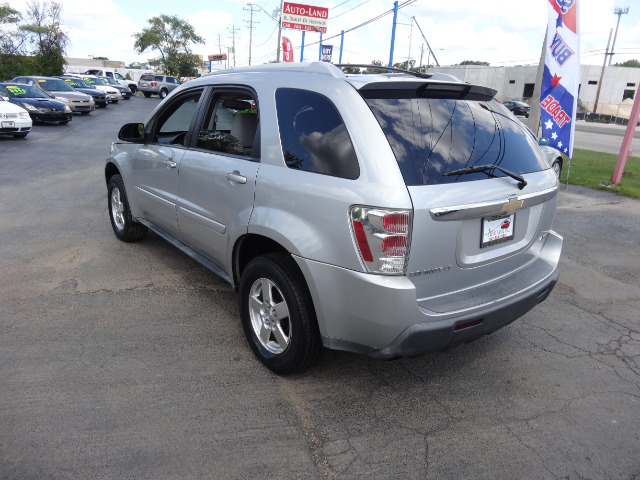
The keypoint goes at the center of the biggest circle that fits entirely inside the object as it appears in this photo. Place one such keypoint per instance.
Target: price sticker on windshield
(16, 90)
(497, 229)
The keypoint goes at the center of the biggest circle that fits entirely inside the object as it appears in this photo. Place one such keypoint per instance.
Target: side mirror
(543, 141)
(132, 132)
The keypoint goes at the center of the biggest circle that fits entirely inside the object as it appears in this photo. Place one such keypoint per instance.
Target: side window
(313, 136)
(174, 121)
(231, 125)
(159, 78)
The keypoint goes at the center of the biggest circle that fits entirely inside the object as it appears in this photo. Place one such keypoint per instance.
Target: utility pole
(619, 12)
(595, 105)
(534, 113)
(233, 48)
(251, 22)
(279, 32)
(410, 35)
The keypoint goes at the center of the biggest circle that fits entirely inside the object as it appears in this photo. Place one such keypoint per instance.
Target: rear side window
(159, 78)
(314, 138)
(431, 137)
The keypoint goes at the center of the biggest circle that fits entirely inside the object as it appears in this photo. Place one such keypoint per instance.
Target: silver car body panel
(450, 278)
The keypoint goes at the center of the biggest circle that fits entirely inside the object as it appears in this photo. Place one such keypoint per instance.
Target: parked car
(113, 94)
(124, 91)
(99, 98)
(553, 156)
(391, 215)
(161, 85)
(41, 106)
(14, 120)
(112, 73)
(77, 101)
(518, 108)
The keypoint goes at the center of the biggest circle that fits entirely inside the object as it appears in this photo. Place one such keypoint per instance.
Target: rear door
(475, 228)
(218, 175)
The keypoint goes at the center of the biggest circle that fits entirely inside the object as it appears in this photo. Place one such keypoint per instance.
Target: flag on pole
(559, 92)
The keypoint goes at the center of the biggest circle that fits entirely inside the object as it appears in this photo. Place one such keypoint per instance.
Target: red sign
(287, 50)
(305, 17)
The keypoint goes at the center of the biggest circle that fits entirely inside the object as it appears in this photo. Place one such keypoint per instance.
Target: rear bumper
(381, 316)
(445, 334)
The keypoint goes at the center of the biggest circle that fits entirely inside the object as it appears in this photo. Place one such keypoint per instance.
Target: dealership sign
(304, 17)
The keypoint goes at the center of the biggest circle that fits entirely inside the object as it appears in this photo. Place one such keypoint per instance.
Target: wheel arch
(110, 170)
(249, 247)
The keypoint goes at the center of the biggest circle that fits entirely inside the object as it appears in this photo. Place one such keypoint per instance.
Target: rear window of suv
(431, 137)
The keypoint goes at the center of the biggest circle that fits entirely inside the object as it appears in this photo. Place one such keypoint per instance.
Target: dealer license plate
(497, 229)
(8, 124)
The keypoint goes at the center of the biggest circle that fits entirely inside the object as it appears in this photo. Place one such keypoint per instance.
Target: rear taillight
(382, 238)
(138, 82)
(153, 84)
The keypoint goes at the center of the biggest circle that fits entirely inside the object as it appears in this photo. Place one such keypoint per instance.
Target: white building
(517, 83)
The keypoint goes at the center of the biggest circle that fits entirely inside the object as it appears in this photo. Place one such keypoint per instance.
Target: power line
(382, 15)
(347, 11)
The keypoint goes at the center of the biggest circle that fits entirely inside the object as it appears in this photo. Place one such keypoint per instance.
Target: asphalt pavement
(128, 361)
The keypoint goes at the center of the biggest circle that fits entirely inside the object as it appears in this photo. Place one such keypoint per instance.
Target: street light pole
(619, 12)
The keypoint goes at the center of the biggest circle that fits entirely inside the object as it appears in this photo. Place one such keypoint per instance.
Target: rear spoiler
(429, 89)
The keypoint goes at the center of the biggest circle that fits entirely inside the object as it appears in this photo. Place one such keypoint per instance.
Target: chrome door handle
(236, 177)
(170, 163)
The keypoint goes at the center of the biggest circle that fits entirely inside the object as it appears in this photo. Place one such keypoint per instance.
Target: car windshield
(109, 81)
(94, 81)
(25, 91)
(54, 85)
(77, 82)
(431, 137)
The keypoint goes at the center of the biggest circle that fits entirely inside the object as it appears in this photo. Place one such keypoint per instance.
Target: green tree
(474, 62)
(629, 63)
(172, 38)
(45, 34)
(375, 70)
(12, 37)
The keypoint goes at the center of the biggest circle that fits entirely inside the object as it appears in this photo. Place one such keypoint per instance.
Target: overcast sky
(500, 32)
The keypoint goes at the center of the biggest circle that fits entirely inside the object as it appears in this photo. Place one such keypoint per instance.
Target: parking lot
(129, 361)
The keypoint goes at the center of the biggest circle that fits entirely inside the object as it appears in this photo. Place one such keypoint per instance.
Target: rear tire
(125, 228)
(147, 94)
(133, 89)
(163, 93)
(277, 314)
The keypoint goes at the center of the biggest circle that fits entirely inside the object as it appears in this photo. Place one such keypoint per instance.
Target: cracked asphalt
(128, 361)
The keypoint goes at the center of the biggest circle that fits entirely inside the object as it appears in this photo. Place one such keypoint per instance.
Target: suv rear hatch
(477, 232)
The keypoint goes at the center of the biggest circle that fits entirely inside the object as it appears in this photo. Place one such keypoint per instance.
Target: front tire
(163, 93)
(557, 167)
(125, 228)
(277, 314)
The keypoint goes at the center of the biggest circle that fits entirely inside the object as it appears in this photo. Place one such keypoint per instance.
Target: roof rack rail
(322, 68)
(383, 69)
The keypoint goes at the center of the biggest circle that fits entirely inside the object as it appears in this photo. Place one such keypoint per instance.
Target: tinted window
(231, 125)
(431, 137)
(146, 77)
(314, 138)
(159, 78)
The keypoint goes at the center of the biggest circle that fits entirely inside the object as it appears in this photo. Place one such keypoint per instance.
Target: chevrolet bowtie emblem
(512, 205)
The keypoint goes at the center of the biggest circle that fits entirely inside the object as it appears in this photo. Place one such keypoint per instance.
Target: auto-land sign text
(304, 17)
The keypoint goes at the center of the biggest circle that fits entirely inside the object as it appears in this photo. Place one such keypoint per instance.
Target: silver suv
(390, 214)
(161, 85)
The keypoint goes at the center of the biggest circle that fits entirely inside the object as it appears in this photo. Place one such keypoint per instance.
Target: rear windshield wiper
(483, 168)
